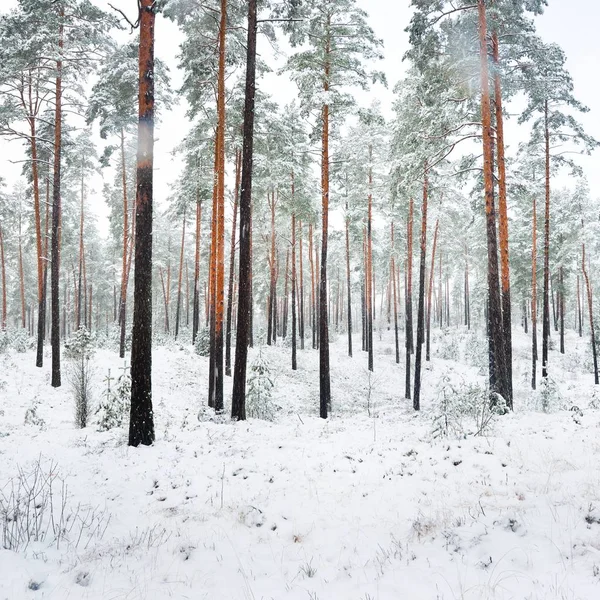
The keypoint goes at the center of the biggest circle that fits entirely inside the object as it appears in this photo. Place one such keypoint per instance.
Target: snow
(364, 506)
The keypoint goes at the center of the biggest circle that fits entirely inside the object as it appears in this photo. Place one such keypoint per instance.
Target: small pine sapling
(259, 403)
(115, 402)
(78, 350)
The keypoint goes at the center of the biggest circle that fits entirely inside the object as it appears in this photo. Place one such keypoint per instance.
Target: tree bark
(238, 169)
(141, 423)
(124, 274)
(408, 299)
(497, 366)
(369, 270)
(534, 354)
(421, 306)
(301, 320)
(294, 358)
(546, 302)
(56, 213)
(196, 299)
(180, 277)
(3, 265)
(238, 399)
(395, 298)
(579, 319)
(429, 292)
(561, 308)
(503, 222)
(591, 312)
(348, 282)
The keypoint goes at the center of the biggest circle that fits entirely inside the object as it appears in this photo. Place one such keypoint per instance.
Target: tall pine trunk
(39, 360)
(301, 290)
(421, 300)
(546, 299)
(238, 399)
(590, 311)
(238, 169)
(429, 292)
(497, 357)
(408, 299)
(141, 423)
(3, 268)
(56, 216)
(196, 298)
(503, 221)
(294, 358)
(124, 274)
(180, 277)
(348, 282)
(394, 296)
(534, 351)
(369, 266)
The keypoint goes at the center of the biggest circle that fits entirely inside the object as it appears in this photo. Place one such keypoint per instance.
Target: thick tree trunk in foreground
(503, 222)
(141, 423)
(497, 356)
(56, 216)
(238, 398)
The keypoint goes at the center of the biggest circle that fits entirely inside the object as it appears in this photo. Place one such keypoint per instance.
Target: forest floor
(371, 504)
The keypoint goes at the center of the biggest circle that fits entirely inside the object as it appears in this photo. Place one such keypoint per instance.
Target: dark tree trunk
(591, 312)
(546, 299)
(56, 216)
(3, 267)
(421, 308)
(579, 319)
(395, 297)
(369, 268)
(348, 282)
(238, 398)
(429, 293)
(141, 423)
(534, 352)
(409, 324)
(294, 360)
(180, 279)
(301, 290)
(561, 308)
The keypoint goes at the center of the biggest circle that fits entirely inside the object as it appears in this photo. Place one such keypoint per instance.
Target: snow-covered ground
(368, 505)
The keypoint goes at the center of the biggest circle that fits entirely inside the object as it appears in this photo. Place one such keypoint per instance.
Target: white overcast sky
(570, 23)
